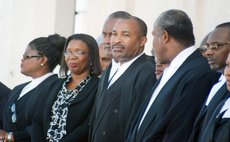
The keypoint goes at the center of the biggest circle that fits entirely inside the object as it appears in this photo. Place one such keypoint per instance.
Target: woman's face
(159, 68)
(77, 57)
(31, 63)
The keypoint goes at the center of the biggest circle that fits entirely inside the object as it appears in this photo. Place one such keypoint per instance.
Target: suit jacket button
(104, 133)
(115, 111)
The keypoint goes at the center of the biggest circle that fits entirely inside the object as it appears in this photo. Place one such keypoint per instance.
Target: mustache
(117, 46)
(107, 46)
(211, 59)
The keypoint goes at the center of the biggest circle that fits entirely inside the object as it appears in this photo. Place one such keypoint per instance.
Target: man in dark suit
(4, 95)
(169, 111)
(216, 51)
(218, 128)
(119, 98)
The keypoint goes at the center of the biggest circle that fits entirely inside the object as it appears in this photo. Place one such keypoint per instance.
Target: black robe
(115, 106)
(79, 112)
(172, 114)
(25, 108)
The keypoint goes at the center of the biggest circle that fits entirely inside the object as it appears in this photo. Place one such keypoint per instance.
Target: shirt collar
(40, 79)
(181, 57)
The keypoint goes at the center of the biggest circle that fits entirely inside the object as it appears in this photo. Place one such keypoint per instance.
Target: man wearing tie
(120, 96)
(218, 128)
(216, 51)
(169, 111)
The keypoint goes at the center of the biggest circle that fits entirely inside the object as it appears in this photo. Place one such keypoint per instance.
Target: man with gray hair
(169, 111)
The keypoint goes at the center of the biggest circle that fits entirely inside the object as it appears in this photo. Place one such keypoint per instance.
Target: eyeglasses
(25, 56)
(75, 54)
(13, 110)
(212, 46)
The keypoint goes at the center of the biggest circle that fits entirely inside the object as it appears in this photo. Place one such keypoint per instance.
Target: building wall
(23, 20)
(205, 14)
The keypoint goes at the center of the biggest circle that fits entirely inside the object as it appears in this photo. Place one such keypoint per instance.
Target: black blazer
(115, 106)
(25, 108)
(77, 118)
(4, 95)
(206, 113)
(218, 128)
(172, 114)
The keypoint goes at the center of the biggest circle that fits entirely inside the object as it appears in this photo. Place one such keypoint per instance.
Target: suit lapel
(13, 99)
(219, 96)
(102, 87)
(151, 116)
(15, 93)
(164, 99)
(49, 103)
(107, 97)
(114, 91)
(84, 92)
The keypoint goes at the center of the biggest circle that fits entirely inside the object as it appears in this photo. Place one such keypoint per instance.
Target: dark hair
(141, 24)
(119, 14)
(51, 47)
(178, 25)
(226, 24)
(94, 60)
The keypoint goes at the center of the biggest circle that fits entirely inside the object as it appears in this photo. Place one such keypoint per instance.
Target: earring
(42, 65)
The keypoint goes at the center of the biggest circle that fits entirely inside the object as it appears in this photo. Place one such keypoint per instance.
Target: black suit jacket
(206, 113)
(115, 106)
(25, 108)
(4, 95)
(172, 114)
(78, 114)
(218, 128)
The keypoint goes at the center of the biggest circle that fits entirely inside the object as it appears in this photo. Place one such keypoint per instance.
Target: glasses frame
(25, 56)
(213, 46)
(75, 54)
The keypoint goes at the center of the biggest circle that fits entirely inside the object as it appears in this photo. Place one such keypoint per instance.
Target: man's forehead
(109, 24)
(125, 24)
(219, 35)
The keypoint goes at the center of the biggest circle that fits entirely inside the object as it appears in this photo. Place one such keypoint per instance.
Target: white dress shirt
(215, 88)
(114, 68)
(226, 108)
(167, 74)
(34, 83)
(121, 69)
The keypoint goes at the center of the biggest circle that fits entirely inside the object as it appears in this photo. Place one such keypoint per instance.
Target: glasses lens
(214, 46)
(203, 48)
(67, 54)
(75, 54)
(25, 56)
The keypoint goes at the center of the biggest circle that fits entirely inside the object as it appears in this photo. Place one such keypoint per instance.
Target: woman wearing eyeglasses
(65, 115)
(39, 60)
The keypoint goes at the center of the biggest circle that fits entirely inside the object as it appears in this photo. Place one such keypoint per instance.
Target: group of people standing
(127, 102)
